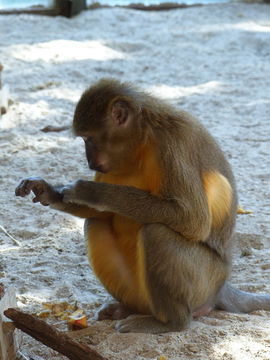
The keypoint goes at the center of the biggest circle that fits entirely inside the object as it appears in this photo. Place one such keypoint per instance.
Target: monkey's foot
(113, 311)
(145, 324)
(202, 311)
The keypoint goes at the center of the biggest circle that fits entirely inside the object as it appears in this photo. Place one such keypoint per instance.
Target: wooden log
(51, 337)
(8, 340)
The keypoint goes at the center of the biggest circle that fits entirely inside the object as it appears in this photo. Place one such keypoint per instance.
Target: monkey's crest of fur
(92, 109)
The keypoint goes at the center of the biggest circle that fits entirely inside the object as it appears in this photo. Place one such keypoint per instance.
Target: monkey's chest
(125, 232)
(112, 244)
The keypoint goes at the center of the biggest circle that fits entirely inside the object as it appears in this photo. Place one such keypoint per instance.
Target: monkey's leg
(113, 270)
(181, 276)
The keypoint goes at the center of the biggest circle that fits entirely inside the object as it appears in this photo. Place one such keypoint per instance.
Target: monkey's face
(108, 152)
(96, 156)
(112, 146)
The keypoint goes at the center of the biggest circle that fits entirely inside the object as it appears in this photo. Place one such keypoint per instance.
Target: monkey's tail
(233, 300)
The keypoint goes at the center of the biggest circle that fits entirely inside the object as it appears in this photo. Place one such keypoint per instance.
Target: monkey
(159, 214)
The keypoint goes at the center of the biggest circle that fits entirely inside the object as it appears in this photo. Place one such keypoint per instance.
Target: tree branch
(51, 337)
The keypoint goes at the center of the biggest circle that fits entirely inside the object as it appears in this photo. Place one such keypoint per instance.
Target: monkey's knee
(167, 289)
(159, 236)
(157, 229)
(182, 275)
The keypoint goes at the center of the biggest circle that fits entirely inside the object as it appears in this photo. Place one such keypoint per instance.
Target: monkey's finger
(37, 190)
(44, 203)
(29, 184)
(23, 188)
(17, 191)
(36, 199)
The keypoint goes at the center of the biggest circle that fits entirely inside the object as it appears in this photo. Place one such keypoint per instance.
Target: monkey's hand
(44, 193)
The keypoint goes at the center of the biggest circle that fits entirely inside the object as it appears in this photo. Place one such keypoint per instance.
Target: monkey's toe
(142, 324)
(113, 311)
(131, 324)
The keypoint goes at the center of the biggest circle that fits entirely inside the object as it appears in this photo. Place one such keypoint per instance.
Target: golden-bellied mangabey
(160, 213)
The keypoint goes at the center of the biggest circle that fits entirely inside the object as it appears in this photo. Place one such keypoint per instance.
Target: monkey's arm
(142, 206)
(47, 195)
(82, 211)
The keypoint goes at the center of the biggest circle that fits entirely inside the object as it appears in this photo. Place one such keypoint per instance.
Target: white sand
(213, 61)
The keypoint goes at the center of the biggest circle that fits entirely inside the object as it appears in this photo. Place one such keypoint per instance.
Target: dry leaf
(44, 314)
(242, 211)
(60, 311)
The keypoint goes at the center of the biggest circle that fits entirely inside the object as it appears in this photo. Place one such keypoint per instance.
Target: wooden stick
(10, 236)
(51, 337)
(51, 128)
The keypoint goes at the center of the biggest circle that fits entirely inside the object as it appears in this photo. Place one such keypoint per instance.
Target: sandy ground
(213, 61)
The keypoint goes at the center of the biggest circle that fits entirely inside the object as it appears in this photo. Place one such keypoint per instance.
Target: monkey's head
(107, 117)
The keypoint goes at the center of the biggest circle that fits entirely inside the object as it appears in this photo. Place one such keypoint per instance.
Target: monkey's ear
(119, 112)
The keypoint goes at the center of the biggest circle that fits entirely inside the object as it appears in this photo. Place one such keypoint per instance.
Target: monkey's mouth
(98, 168)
